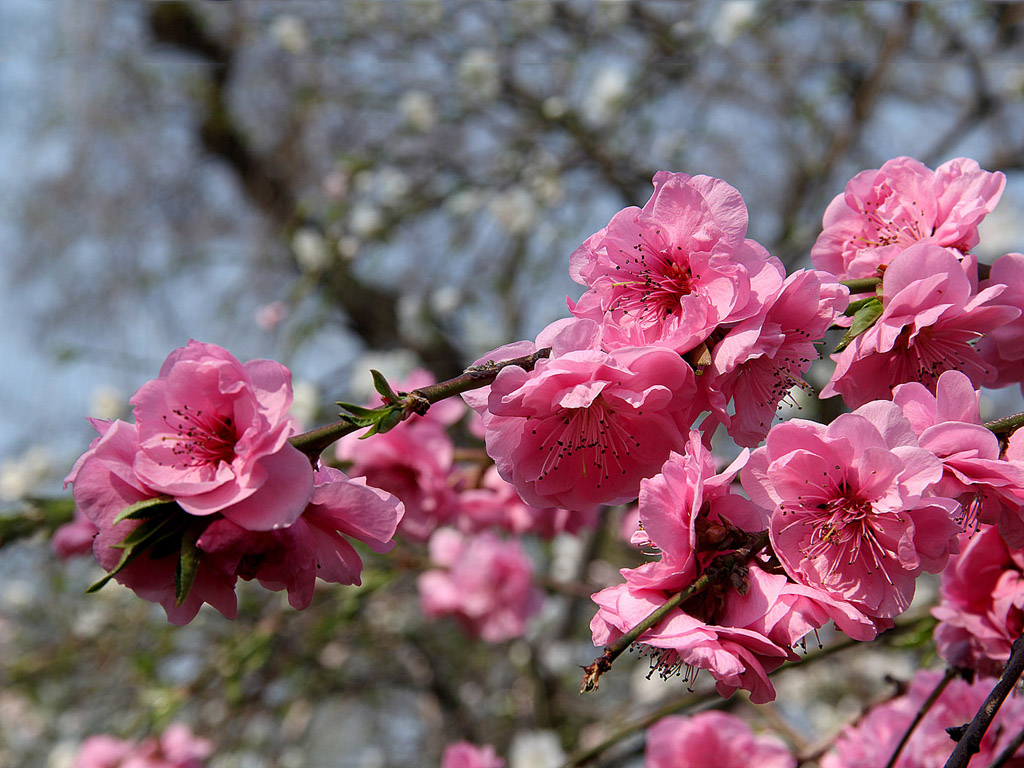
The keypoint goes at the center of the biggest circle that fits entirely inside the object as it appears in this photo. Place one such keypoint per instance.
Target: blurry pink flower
(486, 584)
(585, 427)
(462, 754)
(670, 272)
(269, 316)
(871, 742)
(413, 461)
(712, 739)
(762, 358)
(929, 322)
(948, 424)
(1001, 347)
(315, 545)
(75, 537)
(981, 608)
(177, 747)
(213, 433)
(851, 514)
(494, 503)
(888, 209)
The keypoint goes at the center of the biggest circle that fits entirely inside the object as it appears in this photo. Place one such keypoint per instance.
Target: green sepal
(863, 319)
(383, 388)
(147, 534)
(144, 510)
(188, 562)
(388, 420)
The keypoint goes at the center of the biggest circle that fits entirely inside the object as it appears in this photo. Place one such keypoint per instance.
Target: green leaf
(358, 415)
(382, 386)
(145, 509)
(863, 319)
(145, 536)
(188, 563)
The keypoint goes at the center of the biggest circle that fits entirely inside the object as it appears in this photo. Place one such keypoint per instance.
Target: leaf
(358, 415)
(382, 386)
(145, 536)
(863, 319)
(386, 420)
(145, 509)
(188, 563)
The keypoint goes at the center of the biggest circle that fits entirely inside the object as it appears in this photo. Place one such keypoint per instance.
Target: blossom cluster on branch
(686, 328)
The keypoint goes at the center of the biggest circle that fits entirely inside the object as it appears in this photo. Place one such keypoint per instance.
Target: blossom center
(658, 281)
(200, 438)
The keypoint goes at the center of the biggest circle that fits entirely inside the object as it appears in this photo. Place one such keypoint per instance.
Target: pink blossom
(886, 210)
(315, 545)
(584, 427)
(871, 742)
(494, 503)
(213, 433)
(929, 321)
(413, 461)
(75, 537)
(762, 358)
(712, 738)
(735, 657)
(484, 582)
(850, 510)
(670, 272)
(949, 425)
(462, 754)
(1001, 347)
(177, 747)
(981, 609)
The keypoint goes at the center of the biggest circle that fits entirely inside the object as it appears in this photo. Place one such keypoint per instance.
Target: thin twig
(925, 708)
(970, 741)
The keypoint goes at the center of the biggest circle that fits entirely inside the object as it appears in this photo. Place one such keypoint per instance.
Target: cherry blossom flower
(484, 582)
(929, 320)
(762, 358)
(712, 738)
(850, 510)
(981, 607)
(462, 754)
(670, 272)
(176, 747)
(314, 546)
(886, 210)
(1001, 347)
(213, 434)
(871, 742)
(584, 427)
(948, 424)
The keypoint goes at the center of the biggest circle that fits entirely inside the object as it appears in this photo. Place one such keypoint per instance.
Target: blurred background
(398, 184)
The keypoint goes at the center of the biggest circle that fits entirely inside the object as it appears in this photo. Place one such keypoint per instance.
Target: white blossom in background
(479, 78)
(418, 110)
(554, 107)
(290, 32)
(365, 219)
(464, 202)
(22, 475)
(535, 749)
(611, 13)
(392, 185)
(445, 300)
(305, 403)
(514, 209)
(531, 14)
(312, 251)
(348, 247)
(607, 96)
(107, 402)
(734, 16)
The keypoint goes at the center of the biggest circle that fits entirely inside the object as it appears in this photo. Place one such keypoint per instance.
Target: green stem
(313, 443)
(721, 566)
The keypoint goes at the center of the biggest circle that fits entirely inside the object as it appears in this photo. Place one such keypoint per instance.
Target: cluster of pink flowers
(712, 738)
(207, 479)
(462, 754)
(176, 747)
(873, 740)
